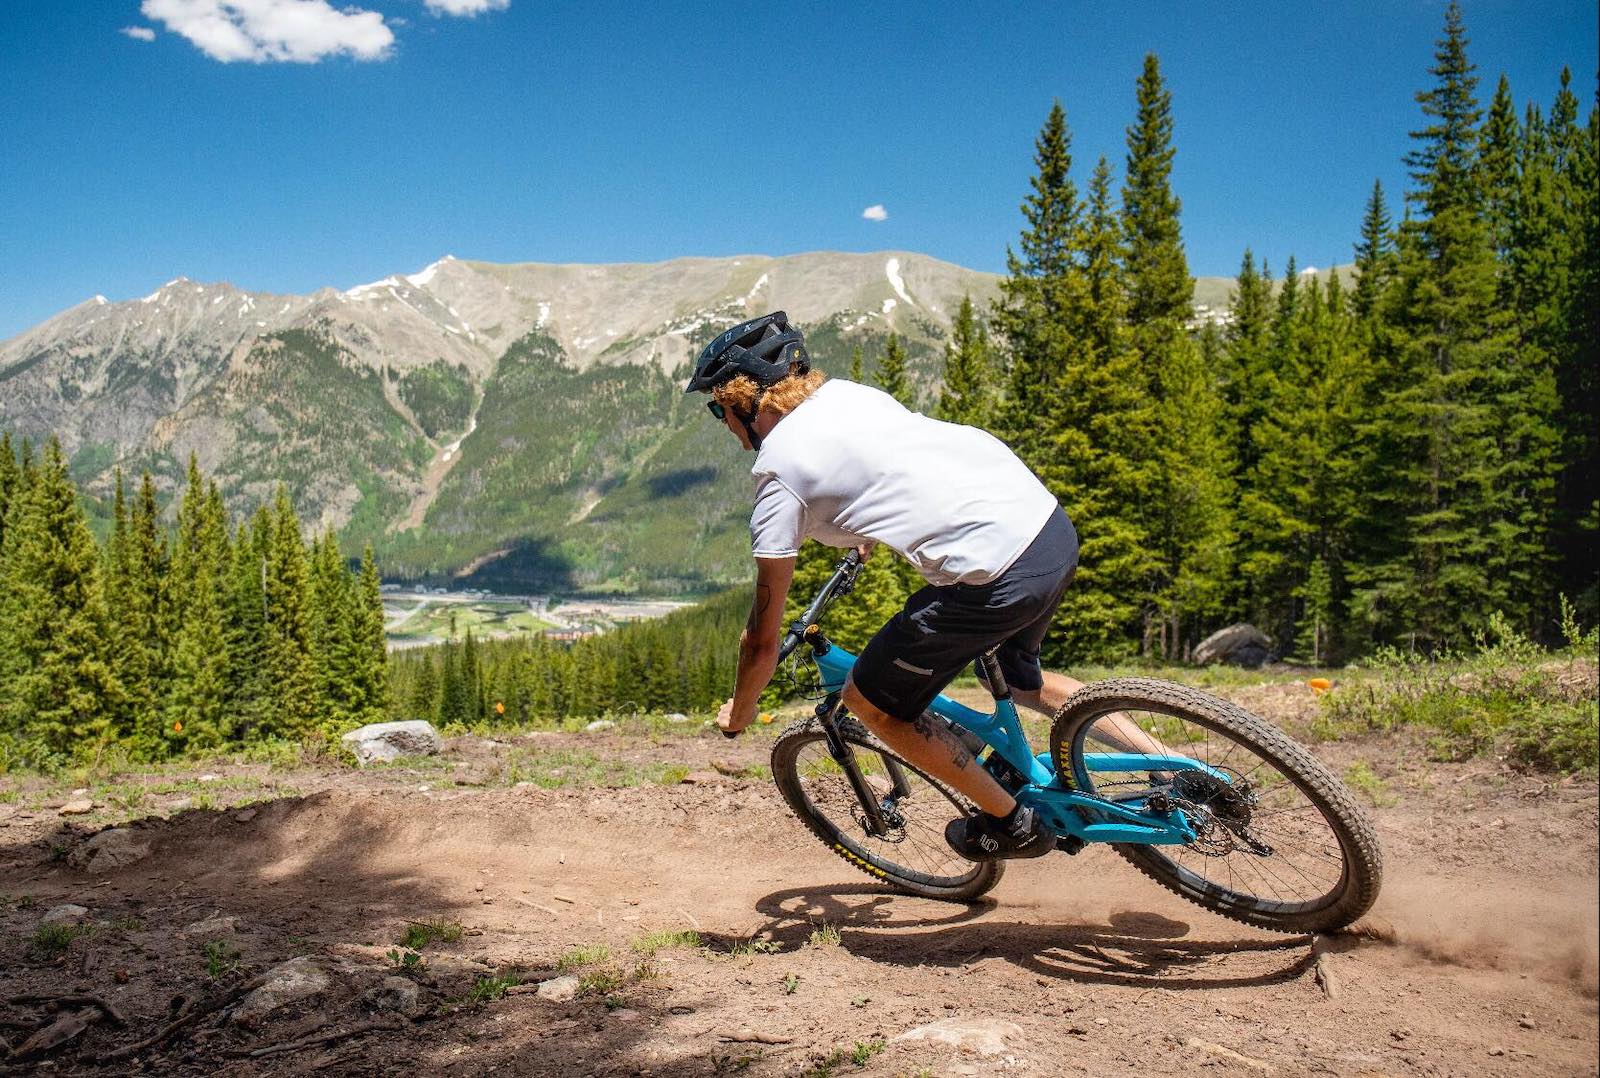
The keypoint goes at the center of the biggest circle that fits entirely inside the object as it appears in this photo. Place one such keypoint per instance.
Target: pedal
(1070, 844)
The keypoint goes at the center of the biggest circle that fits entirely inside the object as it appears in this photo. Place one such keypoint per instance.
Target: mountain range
(518, 426)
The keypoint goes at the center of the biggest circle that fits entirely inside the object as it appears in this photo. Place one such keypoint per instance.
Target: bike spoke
(1306, 864)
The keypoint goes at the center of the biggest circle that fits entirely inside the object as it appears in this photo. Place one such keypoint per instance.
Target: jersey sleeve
(778, 522)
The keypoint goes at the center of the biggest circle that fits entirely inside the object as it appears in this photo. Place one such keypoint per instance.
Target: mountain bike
(1198, 794)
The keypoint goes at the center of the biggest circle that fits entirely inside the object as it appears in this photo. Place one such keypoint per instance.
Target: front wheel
(1280, 842)
(912, 855)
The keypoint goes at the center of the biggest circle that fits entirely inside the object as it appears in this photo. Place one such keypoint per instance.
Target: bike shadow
(1133, 949)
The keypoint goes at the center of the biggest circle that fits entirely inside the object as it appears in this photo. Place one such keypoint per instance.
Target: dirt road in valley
(1480, 959)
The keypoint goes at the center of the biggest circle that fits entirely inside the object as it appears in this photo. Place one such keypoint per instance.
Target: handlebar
(838, 585)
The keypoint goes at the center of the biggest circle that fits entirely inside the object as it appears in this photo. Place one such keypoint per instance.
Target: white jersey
(851, 464)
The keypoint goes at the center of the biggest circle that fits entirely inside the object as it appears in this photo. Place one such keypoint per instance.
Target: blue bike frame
(1061, 807)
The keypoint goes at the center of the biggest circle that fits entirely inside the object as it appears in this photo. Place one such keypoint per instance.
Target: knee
(861, 707)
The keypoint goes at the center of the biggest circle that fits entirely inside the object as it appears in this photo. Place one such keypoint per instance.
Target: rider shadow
(1135, 949)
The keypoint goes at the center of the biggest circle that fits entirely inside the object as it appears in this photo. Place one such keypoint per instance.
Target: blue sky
(283, 145)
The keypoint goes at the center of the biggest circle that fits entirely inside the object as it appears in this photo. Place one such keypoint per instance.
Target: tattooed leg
(933, 748)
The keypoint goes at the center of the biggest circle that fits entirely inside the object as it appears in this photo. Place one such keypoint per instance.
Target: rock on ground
(600, 724)
(1238, 645)
(297, 979)
(77, 807)
(66, 914)
(111, 848)
(559, 989)
(985, 1036)
(394, 994)
(213, 926)
(384, 741)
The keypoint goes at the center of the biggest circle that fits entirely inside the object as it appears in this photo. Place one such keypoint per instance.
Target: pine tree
(1297, 497)
(1040, 286)
(1189, 503)
(193, 712)
(1247, 359)
(292, 668)
(249, 696)
(59, 694)
(855, 366)
(891, 376)
(1557, 266)
(1098, 455)
(10, 478)
(371, 638)
(1454, 396)
(1160, 290)
(967, 394)
(1374, 254)
(423, 699)
(1497, 171)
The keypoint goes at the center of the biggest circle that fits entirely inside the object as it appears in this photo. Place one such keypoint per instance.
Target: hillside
(510, 424)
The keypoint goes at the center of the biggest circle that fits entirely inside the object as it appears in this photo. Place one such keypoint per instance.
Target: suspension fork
(828, 712)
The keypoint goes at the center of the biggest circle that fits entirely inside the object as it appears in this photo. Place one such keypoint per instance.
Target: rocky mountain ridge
(366, 400)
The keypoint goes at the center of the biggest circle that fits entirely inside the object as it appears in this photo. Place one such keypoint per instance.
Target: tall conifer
(967, 393)
(58, 689)
(1191, 529)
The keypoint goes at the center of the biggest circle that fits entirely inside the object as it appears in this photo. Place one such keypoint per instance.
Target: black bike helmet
(764, 348)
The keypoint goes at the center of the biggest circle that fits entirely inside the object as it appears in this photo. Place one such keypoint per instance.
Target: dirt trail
(1481, 958)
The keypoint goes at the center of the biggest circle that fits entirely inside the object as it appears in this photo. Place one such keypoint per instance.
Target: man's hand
(728, 723)
(864, 550)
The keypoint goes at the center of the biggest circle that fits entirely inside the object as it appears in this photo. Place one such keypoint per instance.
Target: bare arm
(758, 644)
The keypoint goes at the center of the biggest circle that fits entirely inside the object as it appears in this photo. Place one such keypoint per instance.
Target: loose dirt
(1480, 958)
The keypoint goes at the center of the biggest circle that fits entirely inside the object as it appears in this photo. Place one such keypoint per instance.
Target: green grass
(1508, 697)
(419, 934)
(601, 982)
(579, 957)
(562, 768)
(1360, 777)
(667, 939)
(53, 940)
(856, 1056)
(222, 958)
(752, 946)
(825, 935)
(489, 989)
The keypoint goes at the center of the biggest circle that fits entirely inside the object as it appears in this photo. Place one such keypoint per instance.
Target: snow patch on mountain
(365, 291)
(891, 270)
(423, 276)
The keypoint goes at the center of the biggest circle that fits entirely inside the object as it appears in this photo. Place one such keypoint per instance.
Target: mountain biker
(849, 465)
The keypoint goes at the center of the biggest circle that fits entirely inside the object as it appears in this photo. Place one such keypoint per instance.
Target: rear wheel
(913, 854)
(1280, 842)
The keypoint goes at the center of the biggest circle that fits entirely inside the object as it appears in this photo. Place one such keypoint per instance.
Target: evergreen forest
(682, 662)
(1348, 465)
(206, 635)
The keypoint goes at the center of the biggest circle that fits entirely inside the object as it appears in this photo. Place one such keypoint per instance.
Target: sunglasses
(716, 409)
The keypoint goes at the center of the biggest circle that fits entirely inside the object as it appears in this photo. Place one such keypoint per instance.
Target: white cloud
(1308, 271)
(263, 31)
(875, 213)
(465, 7)
(139, 33)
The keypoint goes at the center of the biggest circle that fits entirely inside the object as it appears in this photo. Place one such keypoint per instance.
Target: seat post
(989, 669)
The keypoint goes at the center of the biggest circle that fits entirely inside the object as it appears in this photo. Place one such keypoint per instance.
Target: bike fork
(827, 713)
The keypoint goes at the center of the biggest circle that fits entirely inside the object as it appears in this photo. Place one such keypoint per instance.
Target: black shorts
(942, 629)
